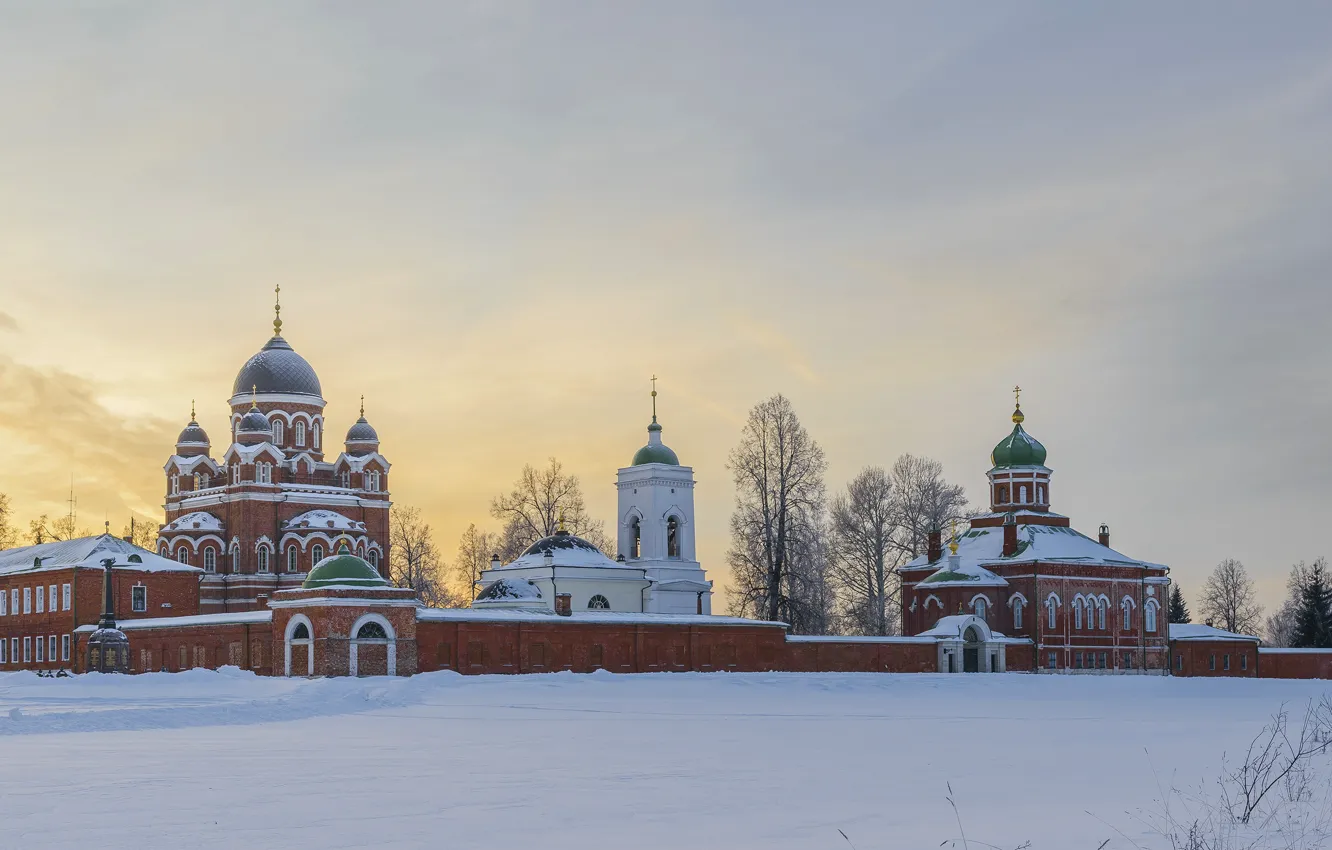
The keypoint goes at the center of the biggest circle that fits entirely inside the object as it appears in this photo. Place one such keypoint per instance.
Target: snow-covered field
(224, 759)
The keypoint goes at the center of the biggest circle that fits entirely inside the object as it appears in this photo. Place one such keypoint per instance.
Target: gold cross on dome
(277, 310)
(1017, 396)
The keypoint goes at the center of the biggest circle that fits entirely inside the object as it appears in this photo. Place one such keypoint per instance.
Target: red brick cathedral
(258, 518)
(1023, 570)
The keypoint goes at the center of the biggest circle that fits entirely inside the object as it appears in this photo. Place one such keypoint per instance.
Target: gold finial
(1017, 406)
(277, 310)
(362, 405)
(561, 522)
(654, 399)
(192, 417)
(952, 542)
(108, 526)
(254, 396)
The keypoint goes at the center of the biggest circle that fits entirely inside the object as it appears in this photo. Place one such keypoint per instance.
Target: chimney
(1010, 537)
(1105, 535)
(495, 561)
(935, 551)
(564, 604)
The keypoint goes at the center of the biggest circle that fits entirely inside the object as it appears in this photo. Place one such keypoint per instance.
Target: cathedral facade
(275, 502)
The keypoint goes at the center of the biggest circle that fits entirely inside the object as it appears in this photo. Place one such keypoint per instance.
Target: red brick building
(50, 590)
(1025, 571)
(273, 505)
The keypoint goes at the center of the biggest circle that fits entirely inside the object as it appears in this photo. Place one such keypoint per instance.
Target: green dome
(343, 568)
(1018, 448)
(655, 451)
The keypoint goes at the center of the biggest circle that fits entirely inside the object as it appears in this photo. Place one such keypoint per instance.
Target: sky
(498, 220)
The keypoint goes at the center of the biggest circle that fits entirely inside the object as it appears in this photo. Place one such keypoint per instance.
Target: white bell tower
(655, 526)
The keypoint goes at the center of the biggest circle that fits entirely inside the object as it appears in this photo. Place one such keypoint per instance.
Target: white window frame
(27, 600)
(39, 651)
(1149, 616)
(1077, 613)
(4, 651)
(235, 473)
(51, 645)
(314, 435)
(210, 559)
(65, 596)
(293, 556)
(261, 555)
(1017, 615)
(13, 650)
(299, 427)
(235, 557)
(372, 557)
(4, 603)
(1052, 615)
(64, 647)
(183, 555)
(1022, 494)
(41, 600)
(175, 485)
(1127, 610)
(53, 598)
(316, 554)
(14, 601)
(135, 597)
(277, 431)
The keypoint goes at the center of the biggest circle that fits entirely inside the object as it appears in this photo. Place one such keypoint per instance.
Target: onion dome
(277, 368)
(1019, 448)
(362, 432)
(655, 451)
(343, 569)
(193, 437)
(254, 422)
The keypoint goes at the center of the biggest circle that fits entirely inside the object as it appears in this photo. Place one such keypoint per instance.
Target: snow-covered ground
(224, 759)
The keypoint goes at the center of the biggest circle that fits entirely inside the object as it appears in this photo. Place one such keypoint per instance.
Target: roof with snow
(509, 589)
(196, 521)
(955, 573)
(1197, 631)
(546, 615)
(86, 552)
(1052, 544)
(323, 519)
(566, 550)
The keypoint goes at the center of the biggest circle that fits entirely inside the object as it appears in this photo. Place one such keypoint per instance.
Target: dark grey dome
(254, 422)
(277, 369)
(362, 432)
(558, 541)
(192, 434)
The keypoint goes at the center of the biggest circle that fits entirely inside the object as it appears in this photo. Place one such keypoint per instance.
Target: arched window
(183, 555)
(636, 546)
(277, 431)
(1017, 614)
(1077, 613)
(235, 558)
(1127, 608)
(300, 433)
(301, 632)
(164, 551)
(1022, 494)
(175, 485)
(262, 562)
(598, 602)
(291, 558)
(978, 605)
(371, 631)
(235, 474)
(672, 538)
(1040, 494)
(315, 431)
(1149, 615)
(373, 557)
(210, 559)
(346, 479)
(316, 553)
(1100, 614)
(1050, 606)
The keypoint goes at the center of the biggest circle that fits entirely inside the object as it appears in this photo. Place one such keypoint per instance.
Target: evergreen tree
(1177, 612)
(1313, 613)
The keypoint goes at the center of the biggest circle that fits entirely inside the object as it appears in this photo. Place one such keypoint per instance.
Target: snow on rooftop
(230, 618)
(958, 573)
(1199, 631)
(546, 615)
(324, 519)
(86, 552)
(1053, 544)
(195, 521)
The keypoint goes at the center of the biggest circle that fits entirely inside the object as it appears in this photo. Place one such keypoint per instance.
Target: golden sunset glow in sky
(497, 221)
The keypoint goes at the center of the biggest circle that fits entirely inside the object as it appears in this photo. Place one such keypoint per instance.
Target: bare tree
(141, 532)
(46, 530)
(534, 508)
(1228, 599)
(863, 554)
(924, 502)
(475, 549)
(777, 554)
(1279, 627)
(414, 560)
(8, 533)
